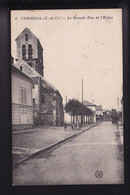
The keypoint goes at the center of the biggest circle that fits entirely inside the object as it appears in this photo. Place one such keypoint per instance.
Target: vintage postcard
(67, 97)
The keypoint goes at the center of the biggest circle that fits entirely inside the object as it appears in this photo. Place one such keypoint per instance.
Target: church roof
(19, 72)
(30, 72)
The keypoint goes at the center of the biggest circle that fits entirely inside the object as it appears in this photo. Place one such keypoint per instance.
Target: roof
(30, 72)
(86, 103)
(19, 72)
(99, 108)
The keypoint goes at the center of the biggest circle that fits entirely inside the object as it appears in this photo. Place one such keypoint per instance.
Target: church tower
(28, 48)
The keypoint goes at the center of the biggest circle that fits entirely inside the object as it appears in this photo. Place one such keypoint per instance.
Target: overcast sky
(78, 48)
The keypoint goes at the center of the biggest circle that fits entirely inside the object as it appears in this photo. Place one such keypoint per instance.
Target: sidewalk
(29, 142)
(121, 133)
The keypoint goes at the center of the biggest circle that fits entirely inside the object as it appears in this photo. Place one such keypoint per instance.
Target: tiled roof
(19, 72)
(30, 72)
(86, 103)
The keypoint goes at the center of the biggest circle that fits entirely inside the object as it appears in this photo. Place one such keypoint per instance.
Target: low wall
(22, 127)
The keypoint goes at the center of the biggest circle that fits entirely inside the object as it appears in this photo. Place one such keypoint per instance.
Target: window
(26, 37)
(30, 51)
(23, 51)
(23, 96)
(33, 100)
(21, 68)
(43, 99)
(54, 103)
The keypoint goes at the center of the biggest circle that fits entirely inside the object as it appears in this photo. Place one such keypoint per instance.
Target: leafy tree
(76, 108)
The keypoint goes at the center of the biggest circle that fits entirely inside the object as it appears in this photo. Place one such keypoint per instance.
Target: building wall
(31, 40)
(36, 62)
(18, 118)
(22, 113)
(93, 108)
(46, 109)
(18, 84)
(67, 118)
(99, 112)
(36, 98)
(49, 111)
(59, 110)
(44, 104)
(40, 60)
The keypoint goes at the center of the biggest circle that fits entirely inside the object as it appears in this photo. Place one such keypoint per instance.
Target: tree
(76, 108)
(72, 107)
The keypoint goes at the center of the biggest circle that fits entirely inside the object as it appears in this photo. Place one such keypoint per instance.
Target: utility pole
(65, 115)
(82, 103)
(82, 91)
(118, 104)
(66, 99)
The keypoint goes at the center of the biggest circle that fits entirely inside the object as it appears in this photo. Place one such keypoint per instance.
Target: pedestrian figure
(72, 127)
(65, 127)
(75, 126)
(79, 126)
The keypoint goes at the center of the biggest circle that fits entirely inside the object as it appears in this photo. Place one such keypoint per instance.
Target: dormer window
(26, 37)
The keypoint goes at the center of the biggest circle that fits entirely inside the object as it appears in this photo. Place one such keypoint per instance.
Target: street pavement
(94, 157)
(28, 142)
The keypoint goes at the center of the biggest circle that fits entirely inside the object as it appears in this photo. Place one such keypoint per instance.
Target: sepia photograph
(67, 97)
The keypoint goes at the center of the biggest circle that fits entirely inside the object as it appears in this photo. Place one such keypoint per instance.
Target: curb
(45, 149)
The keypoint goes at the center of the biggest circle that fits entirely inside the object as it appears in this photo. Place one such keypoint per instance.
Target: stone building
(22, 105)
(47, 101)
(29, 48)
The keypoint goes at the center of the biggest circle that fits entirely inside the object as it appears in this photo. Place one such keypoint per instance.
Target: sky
(78, 44)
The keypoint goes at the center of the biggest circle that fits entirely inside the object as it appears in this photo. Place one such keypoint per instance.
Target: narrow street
(94, 157)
